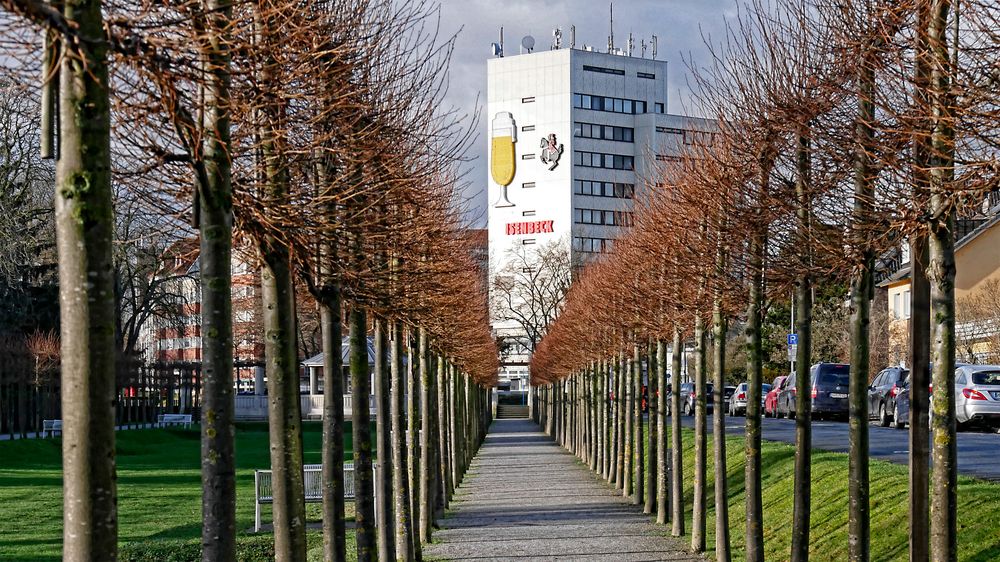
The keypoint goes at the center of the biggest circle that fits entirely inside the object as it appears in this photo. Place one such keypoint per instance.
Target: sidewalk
(525, 498)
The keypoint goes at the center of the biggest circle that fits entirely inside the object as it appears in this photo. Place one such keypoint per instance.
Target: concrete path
(525, 498)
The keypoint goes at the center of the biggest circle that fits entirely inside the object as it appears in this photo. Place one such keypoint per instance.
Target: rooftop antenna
(642, 44)
(631, 44)
(572, 37)
(501, 41)
(611, 38)
(654, 47)
(556, 39)
(528, 43)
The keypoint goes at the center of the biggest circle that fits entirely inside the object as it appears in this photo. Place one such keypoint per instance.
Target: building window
(600, 160)
(528, 184)
(670, 130)
(527, 270)
(659, 107)
(591, 245)
(603, 132)
(602, 70)
(646, 75)
(604, 189)
(530, 99)
(897, 306)
(700, 138)
(528, 156)
(602, 217)
(527, 128)
(528, 241)
(665, 158)
(528, 214)
(608, 104)
(906, 304)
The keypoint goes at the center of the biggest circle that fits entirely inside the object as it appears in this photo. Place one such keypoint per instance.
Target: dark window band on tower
(646, 75)
(602, 70)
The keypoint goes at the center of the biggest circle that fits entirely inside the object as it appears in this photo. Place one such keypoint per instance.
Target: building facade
(574, 134)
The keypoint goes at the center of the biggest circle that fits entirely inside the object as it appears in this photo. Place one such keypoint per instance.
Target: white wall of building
(540, 91)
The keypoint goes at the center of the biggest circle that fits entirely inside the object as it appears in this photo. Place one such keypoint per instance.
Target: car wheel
(883, 416)
(687, 409)
(896, 423)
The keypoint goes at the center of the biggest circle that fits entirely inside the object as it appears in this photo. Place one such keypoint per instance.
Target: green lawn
(978, 505)
(159, 490)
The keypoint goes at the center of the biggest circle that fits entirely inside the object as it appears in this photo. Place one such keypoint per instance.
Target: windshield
(986, 377)
(832, 379)
(765, 388)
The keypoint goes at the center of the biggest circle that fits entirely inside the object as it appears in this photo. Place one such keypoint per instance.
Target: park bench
(174, 419)
(51, 427)
(312, 484)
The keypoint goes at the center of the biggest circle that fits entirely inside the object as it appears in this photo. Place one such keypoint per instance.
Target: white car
(977, 394)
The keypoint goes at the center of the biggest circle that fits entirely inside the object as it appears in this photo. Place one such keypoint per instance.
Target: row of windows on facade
(611, 104)
(603, 132)
(603, 217)
(604, 189)
(592, 245)
(617, 71)
(601, 160)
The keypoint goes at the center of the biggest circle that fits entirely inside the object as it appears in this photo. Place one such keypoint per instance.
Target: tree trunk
(616, 461)
(285, 409)
(412, 428)
(639, 448)
(361, 433)
(754, 501)
(426, 442)
(941, 275)
(651, 449)
(676, 443)
(722, 549)
(84, 222)
(628, 433)
(215, 225)
(381, 389)
(662, 491)
(803, 382)
(920, 334)
(400, 484)
(699, 509)
(334, 532)
(442, 411)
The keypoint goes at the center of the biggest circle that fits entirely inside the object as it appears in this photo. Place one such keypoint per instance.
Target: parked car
(829, 382)
(882, 393)
(901, 409)
(977, 394)
(771, 398)
(727, 396)
(738, 405)
(687, 398)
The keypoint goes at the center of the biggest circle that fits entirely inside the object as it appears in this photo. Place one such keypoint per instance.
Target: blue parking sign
(793, 339)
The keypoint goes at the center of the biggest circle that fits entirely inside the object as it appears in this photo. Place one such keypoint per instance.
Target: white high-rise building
(574, 133)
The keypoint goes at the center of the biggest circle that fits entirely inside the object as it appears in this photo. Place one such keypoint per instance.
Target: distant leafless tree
(529, 290)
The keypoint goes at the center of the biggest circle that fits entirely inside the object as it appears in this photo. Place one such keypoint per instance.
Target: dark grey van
(829, 391)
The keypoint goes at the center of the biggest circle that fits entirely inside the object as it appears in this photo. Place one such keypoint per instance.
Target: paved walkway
(525, 498)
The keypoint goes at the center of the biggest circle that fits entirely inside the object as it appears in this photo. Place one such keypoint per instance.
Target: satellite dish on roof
(528, 42)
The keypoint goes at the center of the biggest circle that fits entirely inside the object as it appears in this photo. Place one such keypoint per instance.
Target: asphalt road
(977, 451)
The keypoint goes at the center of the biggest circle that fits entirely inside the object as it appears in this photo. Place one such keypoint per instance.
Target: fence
(30, 393)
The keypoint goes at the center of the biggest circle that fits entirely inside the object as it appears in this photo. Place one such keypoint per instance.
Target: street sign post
(791, 351)
(793, 339)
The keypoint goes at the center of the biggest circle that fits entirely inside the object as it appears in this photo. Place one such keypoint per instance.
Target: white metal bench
(174, 419)
(312, 485)
(51, 427)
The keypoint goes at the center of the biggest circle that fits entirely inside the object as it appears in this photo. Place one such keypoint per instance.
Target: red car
(771, 400)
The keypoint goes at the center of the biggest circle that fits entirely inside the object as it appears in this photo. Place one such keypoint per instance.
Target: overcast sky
(678, 24)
